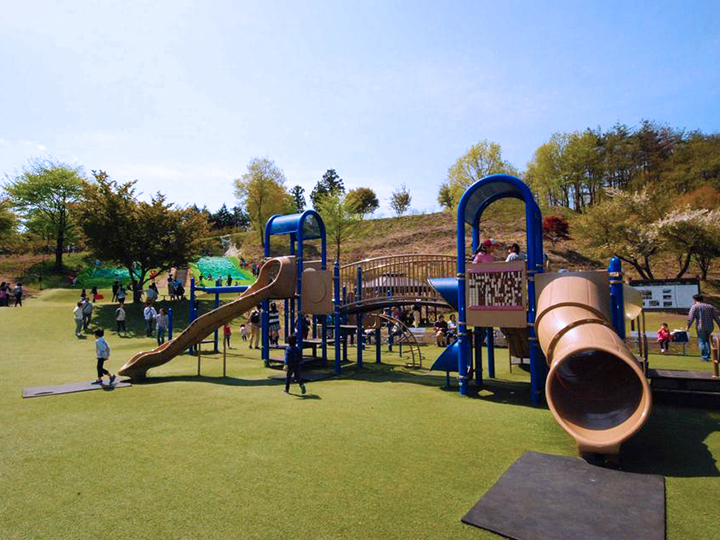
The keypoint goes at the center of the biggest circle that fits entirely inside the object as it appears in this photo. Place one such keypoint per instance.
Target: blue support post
(491, 352)
(378, 340)
(616, 296)
(170, 323)
(286, 319)
(336, 283)
(218, 283)
(478, 340)
(358, 298)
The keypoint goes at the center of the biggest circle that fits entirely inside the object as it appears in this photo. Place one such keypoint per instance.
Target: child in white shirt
(102, 350)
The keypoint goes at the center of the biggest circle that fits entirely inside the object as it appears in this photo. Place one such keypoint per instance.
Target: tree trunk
(59, 246)
(685, 266)
(646, 265)
(635, 265)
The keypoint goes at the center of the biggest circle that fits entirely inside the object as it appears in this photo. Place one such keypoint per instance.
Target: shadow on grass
(672, 443)
(104, 316)
(493, 390)
(224, 381)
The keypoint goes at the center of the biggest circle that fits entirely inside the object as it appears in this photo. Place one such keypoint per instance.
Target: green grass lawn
(382, 452)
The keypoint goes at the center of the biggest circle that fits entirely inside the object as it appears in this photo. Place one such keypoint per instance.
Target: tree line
(641, 193)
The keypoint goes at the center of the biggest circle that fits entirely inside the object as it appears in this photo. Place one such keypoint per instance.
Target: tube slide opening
(594, 390)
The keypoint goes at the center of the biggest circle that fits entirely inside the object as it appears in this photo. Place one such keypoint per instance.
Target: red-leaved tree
(556, 228)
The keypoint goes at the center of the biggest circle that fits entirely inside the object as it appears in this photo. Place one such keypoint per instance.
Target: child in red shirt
(664, 337)
(227, 333)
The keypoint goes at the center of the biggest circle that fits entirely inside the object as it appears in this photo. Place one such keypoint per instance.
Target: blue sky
(182, 94)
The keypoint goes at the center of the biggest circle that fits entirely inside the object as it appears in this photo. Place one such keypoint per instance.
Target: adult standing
(121, 294)
(18, 292)
(115, 288)
(149, 313)
(78, 317)
(171, 287)
(87, 313)
(255, 327)
(161, 322)
(703, 314)
(3, 294)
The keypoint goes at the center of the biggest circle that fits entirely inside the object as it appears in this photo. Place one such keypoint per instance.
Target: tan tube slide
(595, 388)
(275, 280)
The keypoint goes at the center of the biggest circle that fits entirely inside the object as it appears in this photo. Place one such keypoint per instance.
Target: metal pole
(224, 357)
(616, 295)
(218, 283)
(478, 339)
(358, 296)
(378, 339)
(491, 352)
(336, 282)
(170, 323)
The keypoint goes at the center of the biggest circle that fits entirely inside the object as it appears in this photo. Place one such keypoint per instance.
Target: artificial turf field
(382, 452)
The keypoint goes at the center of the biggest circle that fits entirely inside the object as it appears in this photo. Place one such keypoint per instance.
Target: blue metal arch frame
(301, 227)
(476, 199)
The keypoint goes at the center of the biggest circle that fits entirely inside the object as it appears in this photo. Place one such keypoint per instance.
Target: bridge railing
(396, 276)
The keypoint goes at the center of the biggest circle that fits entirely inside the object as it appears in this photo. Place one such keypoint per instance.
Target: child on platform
(664, 337)
(292, 363)
(102, 350)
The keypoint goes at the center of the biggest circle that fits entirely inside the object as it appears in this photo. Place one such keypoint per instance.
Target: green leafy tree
(298, 195)
(139, 235)
(400, 200)
(623, 226)
(46, 195)
(340, 218)
(330, 184)
(9, 223)
(363, 200)
(479, 161)
(261, 191)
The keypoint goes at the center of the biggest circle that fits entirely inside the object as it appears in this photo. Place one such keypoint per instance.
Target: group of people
(445, 331)
(6, 292)
(82, 314)
(484, 252)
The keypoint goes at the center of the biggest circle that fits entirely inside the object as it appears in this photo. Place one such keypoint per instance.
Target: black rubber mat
(556, 498)
(39, 391)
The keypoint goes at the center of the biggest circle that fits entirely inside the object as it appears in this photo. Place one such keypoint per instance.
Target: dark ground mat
(39, 391)
(307, 376)
(557, 498)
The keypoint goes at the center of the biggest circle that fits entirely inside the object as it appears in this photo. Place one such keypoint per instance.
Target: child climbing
(664, 337)
(292, 363)
(102, 350)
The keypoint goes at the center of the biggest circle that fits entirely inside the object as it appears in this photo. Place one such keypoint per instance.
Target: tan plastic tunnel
(275, 280)
(595, 388)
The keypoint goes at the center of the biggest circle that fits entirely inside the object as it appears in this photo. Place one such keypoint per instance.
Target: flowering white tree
(691, 234)
(624, 226)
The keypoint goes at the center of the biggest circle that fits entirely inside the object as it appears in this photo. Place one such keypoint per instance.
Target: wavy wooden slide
(275, 280)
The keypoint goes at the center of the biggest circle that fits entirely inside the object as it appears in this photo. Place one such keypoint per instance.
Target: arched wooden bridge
(394, 281)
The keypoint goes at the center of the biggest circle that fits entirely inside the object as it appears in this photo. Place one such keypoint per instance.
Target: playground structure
(573, 323)
(277, 277)
(595, 387)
